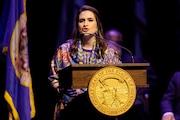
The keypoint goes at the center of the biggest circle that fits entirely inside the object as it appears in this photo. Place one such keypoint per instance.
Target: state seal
(112, 90)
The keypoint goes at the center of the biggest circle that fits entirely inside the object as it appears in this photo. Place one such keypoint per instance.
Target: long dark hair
(102, 46)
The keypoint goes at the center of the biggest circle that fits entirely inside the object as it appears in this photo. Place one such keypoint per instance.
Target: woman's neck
(88, 44)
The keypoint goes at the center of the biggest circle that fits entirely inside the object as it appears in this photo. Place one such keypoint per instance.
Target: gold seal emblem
(112, 91)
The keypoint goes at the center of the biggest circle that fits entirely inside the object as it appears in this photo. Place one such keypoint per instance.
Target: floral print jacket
(63, 58)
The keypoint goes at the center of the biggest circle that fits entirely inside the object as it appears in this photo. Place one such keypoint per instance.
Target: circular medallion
(112, 91)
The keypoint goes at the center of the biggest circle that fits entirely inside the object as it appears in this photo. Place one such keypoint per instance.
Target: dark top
(171, 99)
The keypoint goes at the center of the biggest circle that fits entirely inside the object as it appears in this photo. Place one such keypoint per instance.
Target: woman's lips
(85, 29)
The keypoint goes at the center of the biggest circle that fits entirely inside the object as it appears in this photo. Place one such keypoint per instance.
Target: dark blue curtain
(66, 23)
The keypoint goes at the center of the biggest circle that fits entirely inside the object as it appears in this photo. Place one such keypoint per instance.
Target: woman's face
(87, 23)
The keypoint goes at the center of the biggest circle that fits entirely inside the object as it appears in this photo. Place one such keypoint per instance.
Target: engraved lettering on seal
(112, 91)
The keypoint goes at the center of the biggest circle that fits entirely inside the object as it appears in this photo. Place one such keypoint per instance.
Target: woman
(84, 48)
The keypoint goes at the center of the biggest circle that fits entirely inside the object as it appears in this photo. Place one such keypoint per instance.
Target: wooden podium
(82, 73)
(79, 75)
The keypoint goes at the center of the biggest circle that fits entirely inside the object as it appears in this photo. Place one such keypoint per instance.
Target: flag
(3, 22)
(18, 90)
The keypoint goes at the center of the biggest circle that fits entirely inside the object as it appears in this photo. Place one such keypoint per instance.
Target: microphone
(110, 41)
(85, 36)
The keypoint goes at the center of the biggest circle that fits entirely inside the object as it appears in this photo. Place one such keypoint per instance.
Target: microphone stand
(110, 41)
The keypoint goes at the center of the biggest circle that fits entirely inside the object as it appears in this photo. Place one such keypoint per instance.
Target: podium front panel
(81, 74)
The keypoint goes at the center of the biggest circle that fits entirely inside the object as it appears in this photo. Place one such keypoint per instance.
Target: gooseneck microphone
(122, 47)
(110, 41)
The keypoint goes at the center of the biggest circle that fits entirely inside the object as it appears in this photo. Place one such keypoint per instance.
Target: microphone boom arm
(132, 57)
